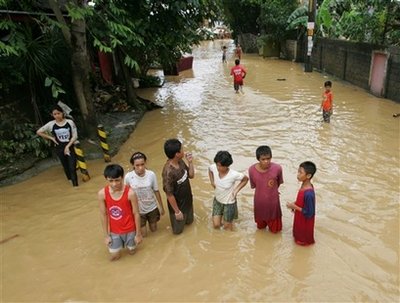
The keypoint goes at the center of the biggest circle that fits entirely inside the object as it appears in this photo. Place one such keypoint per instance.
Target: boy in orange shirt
(327, 102)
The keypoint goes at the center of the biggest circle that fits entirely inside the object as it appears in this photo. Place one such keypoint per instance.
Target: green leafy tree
(372, 21)
(274, 16)
(149, 32)
(242, 16)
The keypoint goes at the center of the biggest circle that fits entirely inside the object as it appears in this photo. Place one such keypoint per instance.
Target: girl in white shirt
(227, 184)
(144, 183)
(62, 132)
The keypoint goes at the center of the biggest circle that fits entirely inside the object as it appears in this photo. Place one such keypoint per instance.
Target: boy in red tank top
(304, 207)
(119, 213)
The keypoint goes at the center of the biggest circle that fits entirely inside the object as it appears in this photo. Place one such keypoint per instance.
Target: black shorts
(151, 217)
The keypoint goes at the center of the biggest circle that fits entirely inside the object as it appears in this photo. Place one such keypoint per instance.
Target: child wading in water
(266, 177)
(304, 207)
(224, 54)
(119, 213)
(327, 102)
(144, 183)
(239, 73)
(227, 184)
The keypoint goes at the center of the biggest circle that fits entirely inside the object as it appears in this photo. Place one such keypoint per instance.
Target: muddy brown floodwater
(59, 254)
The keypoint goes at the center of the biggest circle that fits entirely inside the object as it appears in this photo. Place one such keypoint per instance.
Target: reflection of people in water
(63, 133)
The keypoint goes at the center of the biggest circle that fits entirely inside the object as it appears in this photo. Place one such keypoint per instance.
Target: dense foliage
(18, 137)
(47, 46)
(242, 16)
(371, 21)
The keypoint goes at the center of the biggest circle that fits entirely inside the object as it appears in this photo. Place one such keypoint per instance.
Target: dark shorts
(327, 115)
(236, 84)
(178, 226)
(151, 217)
(228, 211)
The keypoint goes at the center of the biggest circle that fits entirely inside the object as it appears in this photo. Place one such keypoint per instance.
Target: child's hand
(179, 216)
(138, 238)
(107, 240)
(189, 157)
(67, 151)
(54, 140)
(162, 212)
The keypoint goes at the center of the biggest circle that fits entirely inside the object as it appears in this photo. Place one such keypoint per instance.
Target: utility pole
(312, 4)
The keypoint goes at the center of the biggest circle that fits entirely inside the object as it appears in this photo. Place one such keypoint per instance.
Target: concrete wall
(393, 77)
(352, 62)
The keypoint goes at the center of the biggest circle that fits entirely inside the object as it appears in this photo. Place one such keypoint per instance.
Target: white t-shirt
(144, 187)
(224, 187)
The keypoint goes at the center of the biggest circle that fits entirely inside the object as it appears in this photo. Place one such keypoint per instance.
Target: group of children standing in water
(128, 203)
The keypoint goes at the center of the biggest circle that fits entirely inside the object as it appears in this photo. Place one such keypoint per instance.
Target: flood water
(59, 255)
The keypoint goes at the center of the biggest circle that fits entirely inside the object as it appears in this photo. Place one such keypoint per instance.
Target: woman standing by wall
(63, 133)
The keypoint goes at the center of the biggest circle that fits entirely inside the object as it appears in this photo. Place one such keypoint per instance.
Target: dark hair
(113, 171)
(171, 147)
(237, 61)
(309, 168)
(57, 108)
(138, 155)
(328, 83)
(224, 158)
(263, 150)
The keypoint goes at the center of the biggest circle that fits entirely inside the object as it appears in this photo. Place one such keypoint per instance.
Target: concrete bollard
(81, 163)
(103, 143)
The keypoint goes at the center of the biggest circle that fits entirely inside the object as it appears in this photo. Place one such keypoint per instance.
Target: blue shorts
(118, 241)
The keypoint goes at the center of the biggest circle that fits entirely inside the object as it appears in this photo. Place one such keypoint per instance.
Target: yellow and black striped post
(103, 143)
(80, 161)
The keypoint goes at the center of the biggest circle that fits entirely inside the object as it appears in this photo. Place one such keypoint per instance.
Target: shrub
(18, 137)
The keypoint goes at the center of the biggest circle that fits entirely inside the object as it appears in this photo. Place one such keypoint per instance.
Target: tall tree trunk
(130, 93)
(75, 36)
(80, 77)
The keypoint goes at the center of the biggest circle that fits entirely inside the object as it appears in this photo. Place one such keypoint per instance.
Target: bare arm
(74, 136)
(293, 206)
(135, 209)
(42, 132)
(211, 177)
(189, 158)
(172, 201)
(242, 184)
(159, 200)
(104, 217)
